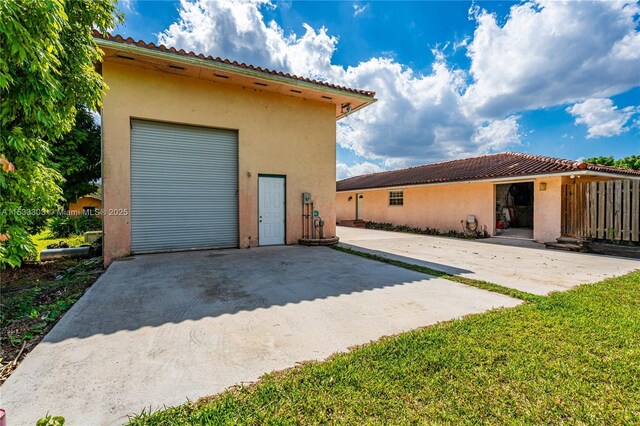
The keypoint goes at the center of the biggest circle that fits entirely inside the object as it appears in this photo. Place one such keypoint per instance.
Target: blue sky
(454, 79)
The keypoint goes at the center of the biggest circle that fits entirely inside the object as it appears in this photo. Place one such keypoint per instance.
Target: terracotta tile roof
(506, 164)
(139, 43)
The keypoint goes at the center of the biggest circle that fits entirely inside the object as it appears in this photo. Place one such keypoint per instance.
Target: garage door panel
(184, 183)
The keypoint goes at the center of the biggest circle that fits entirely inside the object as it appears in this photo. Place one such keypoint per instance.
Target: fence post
(594, 209)
(635, 210)
(626, 210)
(601, 210)
(617, 208)
(586, 211)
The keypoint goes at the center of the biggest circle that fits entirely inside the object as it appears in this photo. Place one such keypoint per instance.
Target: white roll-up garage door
(184, 187)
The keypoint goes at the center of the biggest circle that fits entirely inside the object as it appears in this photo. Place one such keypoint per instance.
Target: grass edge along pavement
(571, 357)
(484, 285)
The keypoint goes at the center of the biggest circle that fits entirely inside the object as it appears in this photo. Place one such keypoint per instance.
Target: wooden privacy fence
(608, 210)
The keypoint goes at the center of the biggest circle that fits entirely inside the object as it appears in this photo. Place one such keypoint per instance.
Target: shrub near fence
(424, 231)
(65, 226)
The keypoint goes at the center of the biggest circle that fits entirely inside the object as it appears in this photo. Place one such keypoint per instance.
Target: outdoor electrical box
(306, 198)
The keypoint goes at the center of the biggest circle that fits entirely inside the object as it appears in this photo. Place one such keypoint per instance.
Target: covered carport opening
(514, 210)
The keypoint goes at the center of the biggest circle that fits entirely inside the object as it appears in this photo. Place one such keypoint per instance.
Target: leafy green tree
(630, 162)
(76, 156)
(47, 68)
(601, 161)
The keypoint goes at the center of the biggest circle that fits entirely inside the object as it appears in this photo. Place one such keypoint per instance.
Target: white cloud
(237, 30)
(128, 6)
(97, 118)
(544, 54)
(417, 118)
(498, 134)
(357, 9)
(552, 53)
(461, 44)
(344, 170)
(602, 117)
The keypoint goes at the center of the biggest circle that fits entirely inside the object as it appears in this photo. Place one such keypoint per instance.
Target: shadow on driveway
(410, 260)
(159, 329)
(151, 290)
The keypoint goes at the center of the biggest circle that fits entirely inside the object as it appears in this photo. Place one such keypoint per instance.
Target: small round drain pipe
(59, 253)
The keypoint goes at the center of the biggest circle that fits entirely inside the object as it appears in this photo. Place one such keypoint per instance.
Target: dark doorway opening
(514, 210)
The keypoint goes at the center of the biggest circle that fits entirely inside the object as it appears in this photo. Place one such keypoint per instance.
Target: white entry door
(359, 206)
(271, 210)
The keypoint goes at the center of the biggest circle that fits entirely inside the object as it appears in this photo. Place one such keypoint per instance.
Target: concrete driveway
(158, 329)
(523, 265)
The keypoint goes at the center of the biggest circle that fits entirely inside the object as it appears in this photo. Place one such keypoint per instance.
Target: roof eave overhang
(359, 107)
(499, 179)
(232, 69)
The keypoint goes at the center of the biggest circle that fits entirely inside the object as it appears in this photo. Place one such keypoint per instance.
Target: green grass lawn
(43, 239)
(572, 357)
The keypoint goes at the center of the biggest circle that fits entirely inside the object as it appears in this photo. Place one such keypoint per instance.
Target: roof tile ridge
(182, 52)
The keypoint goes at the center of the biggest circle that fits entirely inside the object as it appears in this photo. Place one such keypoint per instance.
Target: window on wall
(396, 198)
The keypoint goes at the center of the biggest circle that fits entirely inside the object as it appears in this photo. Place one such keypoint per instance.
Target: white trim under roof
(234, 69)
(510, 179)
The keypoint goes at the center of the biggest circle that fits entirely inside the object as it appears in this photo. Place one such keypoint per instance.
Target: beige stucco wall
(277, 134)
(547, 205)
(436, 206)
(444, 206)
(547, 214)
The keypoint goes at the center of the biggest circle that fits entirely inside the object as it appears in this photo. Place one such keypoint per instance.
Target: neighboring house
(521, 193)
(87, 204)
(200, 152)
